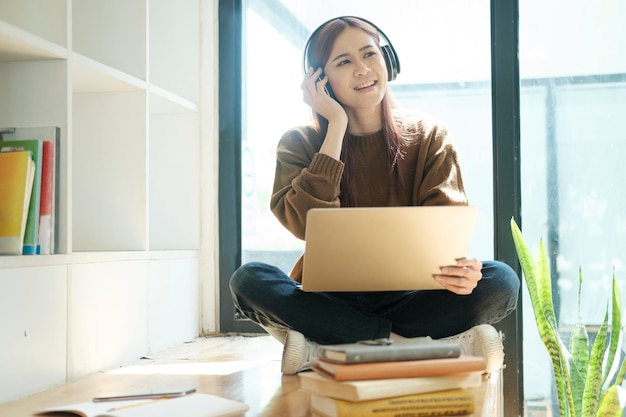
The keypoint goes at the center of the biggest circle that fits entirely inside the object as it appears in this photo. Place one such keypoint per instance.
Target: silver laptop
(383, 248)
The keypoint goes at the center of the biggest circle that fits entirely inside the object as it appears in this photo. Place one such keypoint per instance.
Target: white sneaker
(298, 353)
(484, 341)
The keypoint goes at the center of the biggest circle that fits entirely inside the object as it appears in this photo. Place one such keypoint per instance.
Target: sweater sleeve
(304, 179)
(439, 168)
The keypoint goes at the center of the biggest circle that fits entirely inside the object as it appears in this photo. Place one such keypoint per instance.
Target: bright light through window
(573, 98)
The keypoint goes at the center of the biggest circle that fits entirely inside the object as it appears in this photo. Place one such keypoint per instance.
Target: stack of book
(27, 190)
(411, 378)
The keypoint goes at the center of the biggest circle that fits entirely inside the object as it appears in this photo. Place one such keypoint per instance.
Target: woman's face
(356, 69)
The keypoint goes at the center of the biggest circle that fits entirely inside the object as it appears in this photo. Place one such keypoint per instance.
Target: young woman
(363, 151)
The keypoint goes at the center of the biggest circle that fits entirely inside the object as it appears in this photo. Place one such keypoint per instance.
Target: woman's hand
(314, 94)
(461, 278)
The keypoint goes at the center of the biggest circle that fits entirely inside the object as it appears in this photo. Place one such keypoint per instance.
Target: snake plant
(588, 378)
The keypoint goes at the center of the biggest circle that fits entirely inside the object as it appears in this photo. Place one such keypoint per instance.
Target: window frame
(505, 88)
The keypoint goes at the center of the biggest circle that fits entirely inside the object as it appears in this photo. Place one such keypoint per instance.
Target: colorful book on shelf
(400, 369)
(48, 207)
(31, 234)
(439, 403)
(380, 350)
(373, 389)
(46, 228)
(194, 405)
(17, 173)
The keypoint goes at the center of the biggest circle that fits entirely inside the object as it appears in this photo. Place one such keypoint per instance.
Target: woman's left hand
(461, 278)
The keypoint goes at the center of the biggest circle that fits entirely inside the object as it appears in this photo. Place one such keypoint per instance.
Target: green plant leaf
(593, 384)
(594, 370)
(538, 281)
(544, 283)
(613, 359)
(580, 352)
(613, 402)
(529, 268)
(578, 370)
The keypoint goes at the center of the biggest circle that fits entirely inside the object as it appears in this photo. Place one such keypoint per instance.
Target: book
(381, 350)
(31, 234)
(194, 405)
(50, 172)
(400, 369)
(46, 225)
(17, 173)
(373, 389)
(440, 403)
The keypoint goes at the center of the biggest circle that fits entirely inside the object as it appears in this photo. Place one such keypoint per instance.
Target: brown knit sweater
(306, 179)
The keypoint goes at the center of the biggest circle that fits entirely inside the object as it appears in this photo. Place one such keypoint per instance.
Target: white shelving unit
(121, 80)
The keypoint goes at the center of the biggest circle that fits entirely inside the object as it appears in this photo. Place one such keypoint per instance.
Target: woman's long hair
(318, 53)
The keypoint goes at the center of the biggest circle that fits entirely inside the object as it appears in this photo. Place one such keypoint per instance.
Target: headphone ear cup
(393, 66)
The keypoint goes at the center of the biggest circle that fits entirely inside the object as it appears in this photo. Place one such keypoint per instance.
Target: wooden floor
(242, 368)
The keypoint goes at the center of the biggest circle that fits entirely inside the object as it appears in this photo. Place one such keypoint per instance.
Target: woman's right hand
(315, 95)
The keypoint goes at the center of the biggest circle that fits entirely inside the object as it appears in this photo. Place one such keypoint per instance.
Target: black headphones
(389, 53)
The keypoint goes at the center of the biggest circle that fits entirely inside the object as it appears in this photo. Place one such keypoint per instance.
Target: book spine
(445, 403)
(45, 202)
(361, 354)
(31, 235)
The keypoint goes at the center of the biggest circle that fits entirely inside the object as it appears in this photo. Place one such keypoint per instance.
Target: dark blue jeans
(269, 297)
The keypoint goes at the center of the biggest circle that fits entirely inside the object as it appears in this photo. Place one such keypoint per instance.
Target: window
(445, 51)
(573, 99)
(445, 73)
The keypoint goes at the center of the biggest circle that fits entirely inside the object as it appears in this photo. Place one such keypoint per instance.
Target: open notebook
(383, 248)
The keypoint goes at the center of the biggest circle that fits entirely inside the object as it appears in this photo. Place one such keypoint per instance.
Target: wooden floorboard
(241, 368)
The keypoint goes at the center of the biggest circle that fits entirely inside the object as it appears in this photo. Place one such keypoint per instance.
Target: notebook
(383, 248)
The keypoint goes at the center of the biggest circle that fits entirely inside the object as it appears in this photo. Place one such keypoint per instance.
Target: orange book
(17, 173)
(400, 369)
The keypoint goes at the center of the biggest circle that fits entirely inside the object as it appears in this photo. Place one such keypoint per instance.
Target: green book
(31, 235)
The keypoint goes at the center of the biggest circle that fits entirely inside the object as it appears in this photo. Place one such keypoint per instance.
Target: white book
(194, 405)
(384, 388)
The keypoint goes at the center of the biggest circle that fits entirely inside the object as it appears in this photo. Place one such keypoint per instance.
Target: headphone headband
(389, 53)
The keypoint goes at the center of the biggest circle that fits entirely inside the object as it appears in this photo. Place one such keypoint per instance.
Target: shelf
(112, 32)
(18, 45)
(89, 76)
(173, 44)
(165, 102)
(120, 78)
(93, 257)
(109, 171)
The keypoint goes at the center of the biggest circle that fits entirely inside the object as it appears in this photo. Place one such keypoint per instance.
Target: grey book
(381, 350)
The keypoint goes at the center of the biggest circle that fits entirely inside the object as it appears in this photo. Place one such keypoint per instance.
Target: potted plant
(588, 378)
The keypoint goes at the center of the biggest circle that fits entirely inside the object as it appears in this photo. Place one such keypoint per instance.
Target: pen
(124, 407)
(146, 395)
